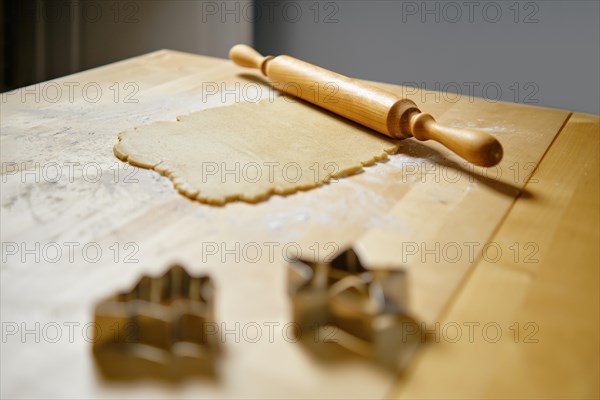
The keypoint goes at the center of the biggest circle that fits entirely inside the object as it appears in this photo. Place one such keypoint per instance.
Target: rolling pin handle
(246, 56)
(479, 148)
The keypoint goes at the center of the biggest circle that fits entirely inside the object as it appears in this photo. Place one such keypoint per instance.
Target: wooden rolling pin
(378, 109)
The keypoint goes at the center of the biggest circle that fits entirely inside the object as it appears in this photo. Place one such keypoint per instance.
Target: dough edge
(122, 152)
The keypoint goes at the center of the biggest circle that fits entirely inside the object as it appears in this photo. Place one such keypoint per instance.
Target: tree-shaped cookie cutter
(364, 311)
(157, 328)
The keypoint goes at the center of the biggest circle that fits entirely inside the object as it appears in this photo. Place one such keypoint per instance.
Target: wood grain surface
(396, 211)
(551, 294)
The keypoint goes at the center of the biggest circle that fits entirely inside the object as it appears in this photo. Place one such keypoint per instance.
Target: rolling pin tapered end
(245, 56)
(477, 147)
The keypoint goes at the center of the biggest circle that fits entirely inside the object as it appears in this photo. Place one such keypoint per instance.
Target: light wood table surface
(503, 263)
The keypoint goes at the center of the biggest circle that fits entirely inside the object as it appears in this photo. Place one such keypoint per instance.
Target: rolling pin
(375, 108)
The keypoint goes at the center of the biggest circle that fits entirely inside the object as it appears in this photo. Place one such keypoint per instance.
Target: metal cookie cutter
(364, 311)
(159, 328)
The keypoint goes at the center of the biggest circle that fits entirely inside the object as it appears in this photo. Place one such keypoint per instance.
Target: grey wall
(45, 39)
(547, 53)
(539, 52)
(194, 26)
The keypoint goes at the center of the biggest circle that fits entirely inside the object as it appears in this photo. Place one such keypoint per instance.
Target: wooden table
(515, 314)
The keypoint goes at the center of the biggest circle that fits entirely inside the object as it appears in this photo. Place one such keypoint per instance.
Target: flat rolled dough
(249, 151)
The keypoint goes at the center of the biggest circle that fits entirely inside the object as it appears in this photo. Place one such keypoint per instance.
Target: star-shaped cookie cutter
(158, 328)
(364, 311)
